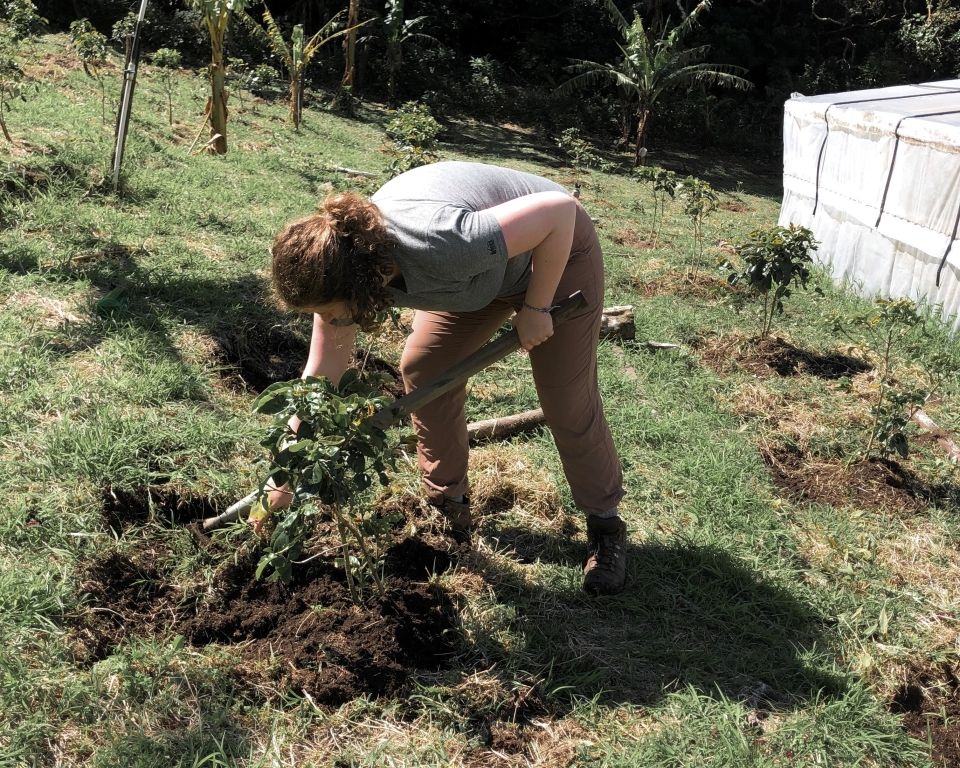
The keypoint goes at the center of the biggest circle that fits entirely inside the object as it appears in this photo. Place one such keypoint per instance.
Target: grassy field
(787, 605)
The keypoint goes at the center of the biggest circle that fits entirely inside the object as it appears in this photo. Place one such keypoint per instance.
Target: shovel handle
(487, 355)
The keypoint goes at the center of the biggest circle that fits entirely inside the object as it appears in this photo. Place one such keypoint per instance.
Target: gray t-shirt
(450, 250)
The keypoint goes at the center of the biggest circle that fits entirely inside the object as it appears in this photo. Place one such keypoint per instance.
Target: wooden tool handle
(487, 355)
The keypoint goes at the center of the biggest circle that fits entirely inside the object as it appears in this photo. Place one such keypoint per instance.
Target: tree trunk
(218, 100)
(295, 101)
(626, 123)
(643, 121)
(350, 45)
(3, 123)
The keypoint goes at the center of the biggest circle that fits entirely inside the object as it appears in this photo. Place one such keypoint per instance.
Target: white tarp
(876, 175)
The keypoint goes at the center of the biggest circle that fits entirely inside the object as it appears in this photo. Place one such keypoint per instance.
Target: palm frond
(707, 74)
(615, 16)
(277, 44)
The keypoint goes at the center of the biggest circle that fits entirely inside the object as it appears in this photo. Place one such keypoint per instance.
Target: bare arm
(543, 223)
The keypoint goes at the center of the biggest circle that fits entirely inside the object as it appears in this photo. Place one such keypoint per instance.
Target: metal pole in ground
(126, 100)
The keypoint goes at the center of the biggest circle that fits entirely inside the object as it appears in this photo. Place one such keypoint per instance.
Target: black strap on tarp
(932, 90)
(886, 188)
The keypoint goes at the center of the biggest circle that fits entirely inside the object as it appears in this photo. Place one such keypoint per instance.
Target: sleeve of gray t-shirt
(450, 248)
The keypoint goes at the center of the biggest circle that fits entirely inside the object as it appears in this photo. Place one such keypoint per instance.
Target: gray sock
(615, 512)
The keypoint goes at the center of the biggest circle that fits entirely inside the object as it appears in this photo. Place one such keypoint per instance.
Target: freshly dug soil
(929, 701)
(774, 356)
(881, 484)
(123, 507)
(307, 634)
(256, 357)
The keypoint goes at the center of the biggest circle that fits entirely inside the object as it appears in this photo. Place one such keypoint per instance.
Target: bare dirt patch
(698, 285)
(929, 700)
(734, 206)
(253, 358)
(632, 239)
(775, 356)
(308, 635)
(879, 484)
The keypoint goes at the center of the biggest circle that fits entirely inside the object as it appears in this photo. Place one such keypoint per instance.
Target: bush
(22, 17)
(413, 132)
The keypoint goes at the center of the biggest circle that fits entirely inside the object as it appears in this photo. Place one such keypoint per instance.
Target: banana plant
(296, 54)
(398, 32)
(216, 17)
(652, 65)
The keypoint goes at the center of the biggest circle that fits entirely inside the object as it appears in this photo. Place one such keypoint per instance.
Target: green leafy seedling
(334, 456)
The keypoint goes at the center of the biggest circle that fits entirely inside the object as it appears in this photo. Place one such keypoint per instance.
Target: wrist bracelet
(544, 310)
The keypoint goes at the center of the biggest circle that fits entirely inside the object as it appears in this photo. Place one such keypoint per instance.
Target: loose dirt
(929, 700)
(774, 356)
(308, 635)
(124, 507)
(691, 286)
(879, 484)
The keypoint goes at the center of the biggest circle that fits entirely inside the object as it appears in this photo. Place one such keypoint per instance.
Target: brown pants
(564, 371)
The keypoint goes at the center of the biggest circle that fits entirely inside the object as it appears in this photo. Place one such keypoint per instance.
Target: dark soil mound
(309, 633)
(929, 701)
(322, 641)
(774, 356)
(881, 484)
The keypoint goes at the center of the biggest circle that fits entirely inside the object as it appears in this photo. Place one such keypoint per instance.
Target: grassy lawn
(788, 604)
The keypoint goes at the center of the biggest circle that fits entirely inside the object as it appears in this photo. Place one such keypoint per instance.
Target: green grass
(112, 312)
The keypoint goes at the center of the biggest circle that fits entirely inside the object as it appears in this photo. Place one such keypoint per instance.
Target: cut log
(943, 437)
(504, 426)
(617, 323)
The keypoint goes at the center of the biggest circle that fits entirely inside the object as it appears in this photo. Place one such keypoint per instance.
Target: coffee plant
(663, 184)
(773, 260)
(890, 328)
(699, 200)
(335, 455)
(167, 60)
(91, 47)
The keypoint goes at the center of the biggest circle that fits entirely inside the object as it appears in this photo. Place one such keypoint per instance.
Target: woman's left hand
(533, 327)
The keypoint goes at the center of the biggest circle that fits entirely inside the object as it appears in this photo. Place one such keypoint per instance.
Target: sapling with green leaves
(12, 79)
(699, 201)
(774, 260)
(663, 184)
(167, 60)
(91, 47)
(333, 458)
(892, 328)
(580, 152)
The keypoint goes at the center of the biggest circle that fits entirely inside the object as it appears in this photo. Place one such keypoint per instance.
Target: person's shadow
(691, 615)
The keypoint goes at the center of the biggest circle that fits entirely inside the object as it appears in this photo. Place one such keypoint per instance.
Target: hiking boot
(605, 571)
(457, 514)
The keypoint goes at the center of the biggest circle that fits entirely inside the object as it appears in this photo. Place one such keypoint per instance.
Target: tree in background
(398, 32)
(350, 47)
(295, 55)
(91, 47)
(216, 18)
(11, 76)
(650, 66)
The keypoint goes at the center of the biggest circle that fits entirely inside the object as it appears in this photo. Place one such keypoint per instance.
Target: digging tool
(487, 355)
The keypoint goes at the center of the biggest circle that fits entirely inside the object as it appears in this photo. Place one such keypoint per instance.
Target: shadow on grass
(255, 343)
(691, 615)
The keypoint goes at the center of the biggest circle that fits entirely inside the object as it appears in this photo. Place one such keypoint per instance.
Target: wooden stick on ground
(504, 426)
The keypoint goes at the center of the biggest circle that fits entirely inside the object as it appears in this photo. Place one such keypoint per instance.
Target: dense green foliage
(495, 60)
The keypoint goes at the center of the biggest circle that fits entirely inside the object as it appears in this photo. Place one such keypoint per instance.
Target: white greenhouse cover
(876, 175)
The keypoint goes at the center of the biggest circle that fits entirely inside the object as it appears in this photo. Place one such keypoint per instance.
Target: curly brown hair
(339, 253)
